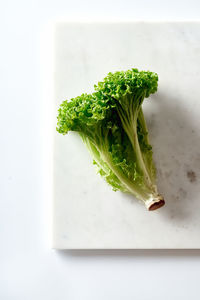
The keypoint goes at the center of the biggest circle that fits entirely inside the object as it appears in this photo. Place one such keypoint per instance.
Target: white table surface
(87, 214)
(29, 269)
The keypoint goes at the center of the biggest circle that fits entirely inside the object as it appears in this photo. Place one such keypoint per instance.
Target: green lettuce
(112, 125)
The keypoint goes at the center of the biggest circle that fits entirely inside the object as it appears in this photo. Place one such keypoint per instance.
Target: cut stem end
(155, 203)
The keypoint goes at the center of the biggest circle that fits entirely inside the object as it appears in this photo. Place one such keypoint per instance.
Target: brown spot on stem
(157, 205)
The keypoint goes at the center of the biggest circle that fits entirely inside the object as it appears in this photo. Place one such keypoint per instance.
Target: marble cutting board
(87, 214)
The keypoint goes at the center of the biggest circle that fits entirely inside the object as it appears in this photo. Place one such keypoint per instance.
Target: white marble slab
(87, 214)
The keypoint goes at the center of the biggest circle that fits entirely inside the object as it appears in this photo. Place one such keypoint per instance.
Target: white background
(29, 269)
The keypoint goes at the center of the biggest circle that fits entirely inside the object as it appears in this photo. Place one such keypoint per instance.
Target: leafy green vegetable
(112, 125)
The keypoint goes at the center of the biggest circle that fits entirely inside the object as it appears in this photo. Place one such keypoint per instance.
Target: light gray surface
(87, 213)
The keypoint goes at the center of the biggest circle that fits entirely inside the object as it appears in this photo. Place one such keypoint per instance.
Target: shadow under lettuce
(175, 137)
